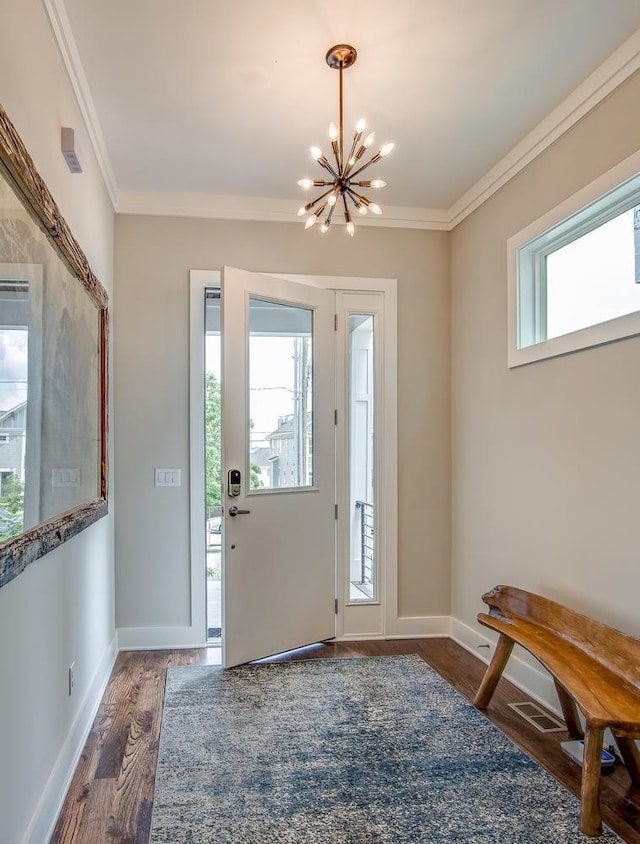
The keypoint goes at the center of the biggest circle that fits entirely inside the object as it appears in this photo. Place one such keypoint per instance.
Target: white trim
(618, 67)
(158, 638)
(361, 637)
(388, 448)
(360, 616)
(418, 626)
(46, 814)
(63, 35)
(188, 636)
(263, 209)
(199, 280)
(534, 681)
(595, 335)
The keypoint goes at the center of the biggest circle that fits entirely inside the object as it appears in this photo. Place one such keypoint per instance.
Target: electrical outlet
(71, 677)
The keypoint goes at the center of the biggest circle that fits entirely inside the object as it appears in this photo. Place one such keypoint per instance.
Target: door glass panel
(362, 564)
(280, 396)
(213, 463)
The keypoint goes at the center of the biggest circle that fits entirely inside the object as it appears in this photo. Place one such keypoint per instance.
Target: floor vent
(540, 719)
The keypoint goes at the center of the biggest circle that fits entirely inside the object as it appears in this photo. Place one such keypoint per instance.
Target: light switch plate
(168, 477)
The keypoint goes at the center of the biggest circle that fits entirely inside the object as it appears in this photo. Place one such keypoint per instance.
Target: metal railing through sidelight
(367, 544)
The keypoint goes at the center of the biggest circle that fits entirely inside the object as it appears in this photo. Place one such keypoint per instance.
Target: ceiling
(211, 100)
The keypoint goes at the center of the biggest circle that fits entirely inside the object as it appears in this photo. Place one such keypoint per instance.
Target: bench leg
(570, 712)
(590, 821)
(630, 756)
(494, 672)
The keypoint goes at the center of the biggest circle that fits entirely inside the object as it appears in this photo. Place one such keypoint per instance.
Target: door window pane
(280, 395)
(362, 565)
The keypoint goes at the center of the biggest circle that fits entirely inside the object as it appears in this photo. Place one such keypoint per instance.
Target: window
(280, 394)
(574, 275)
(363, 580)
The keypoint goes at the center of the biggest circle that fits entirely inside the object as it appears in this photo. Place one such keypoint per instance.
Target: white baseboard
(159, 638)
(360, 637)
(418, 627)
(46, 814)
(533, 681)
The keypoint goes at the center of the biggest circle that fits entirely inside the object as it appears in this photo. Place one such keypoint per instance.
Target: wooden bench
(593, 666)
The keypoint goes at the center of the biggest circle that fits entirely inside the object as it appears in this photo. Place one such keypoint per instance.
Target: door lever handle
(233, 511)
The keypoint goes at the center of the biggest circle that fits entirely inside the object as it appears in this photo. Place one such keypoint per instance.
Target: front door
(279, 465)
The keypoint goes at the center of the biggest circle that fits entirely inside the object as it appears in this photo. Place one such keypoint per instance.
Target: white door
(278, 434)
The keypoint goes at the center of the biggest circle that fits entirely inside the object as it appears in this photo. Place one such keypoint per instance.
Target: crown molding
(218, 207)
(618, 67)
(65, 40)
(612, 72)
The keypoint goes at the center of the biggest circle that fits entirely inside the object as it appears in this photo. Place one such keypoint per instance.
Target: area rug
(344, 751)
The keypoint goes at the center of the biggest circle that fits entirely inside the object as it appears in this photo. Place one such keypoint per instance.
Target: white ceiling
(215, 98)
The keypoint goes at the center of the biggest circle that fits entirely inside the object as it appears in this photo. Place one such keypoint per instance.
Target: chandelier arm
(319, 198)
(336, 152)
(348, 166)
(324, 163)
(375, 158)
(358, 198)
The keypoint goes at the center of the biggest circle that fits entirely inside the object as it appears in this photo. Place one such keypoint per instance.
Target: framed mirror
(53, 370)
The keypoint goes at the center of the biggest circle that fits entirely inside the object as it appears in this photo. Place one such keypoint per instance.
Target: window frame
(610, 195)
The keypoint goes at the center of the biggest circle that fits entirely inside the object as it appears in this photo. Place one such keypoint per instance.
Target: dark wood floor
(111, 796)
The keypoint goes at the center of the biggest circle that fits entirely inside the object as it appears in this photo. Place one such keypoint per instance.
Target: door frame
(353, 621)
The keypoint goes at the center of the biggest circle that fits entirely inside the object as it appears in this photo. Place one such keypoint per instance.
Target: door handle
(233, 511)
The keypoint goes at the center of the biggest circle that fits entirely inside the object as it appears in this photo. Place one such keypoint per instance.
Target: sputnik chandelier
(342, 188)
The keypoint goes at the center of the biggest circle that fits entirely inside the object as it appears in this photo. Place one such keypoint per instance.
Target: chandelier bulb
(311, 221)
(362, 209)
(375, 208)
(361, 125)
(352, 161)
(386, 149)
(333, 132)
(316, 153)
(324, 227)
(305, 183)
(332, 199)
(302, 211)
(378, 183)
(351, 229)
(369, 140)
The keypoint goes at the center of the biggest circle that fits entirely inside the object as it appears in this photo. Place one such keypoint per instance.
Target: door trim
(365, 621)
(199, 280)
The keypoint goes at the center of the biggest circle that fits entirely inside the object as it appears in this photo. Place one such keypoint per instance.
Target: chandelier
(343, 188)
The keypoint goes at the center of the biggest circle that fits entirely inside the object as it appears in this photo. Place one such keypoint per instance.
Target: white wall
(61, 609)
(153, 258)
(545, 458)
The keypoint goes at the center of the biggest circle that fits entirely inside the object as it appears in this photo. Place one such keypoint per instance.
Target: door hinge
(336, 606)
(335, 417)
(336, 511)
(335, 322)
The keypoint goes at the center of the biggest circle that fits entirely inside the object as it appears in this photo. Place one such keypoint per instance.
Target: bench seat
(595, 668)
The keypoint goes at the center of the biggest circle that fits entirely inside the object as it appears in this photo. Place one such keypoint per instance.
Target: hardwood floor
(111, 796)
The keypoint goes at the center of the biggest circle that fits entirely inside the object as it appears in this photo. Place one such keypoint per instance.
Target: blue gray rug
(344, 751)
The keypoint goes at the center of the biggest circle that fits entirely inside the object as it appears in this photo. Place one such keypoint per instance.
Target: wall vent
(540, 719)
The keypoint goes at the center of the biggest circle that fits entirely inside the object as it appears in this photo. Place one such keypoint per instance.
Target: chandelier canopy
(343, 188)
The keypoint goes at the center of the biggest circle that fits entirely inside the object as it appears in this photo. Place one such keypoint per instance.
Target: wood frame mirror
(54, 329)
